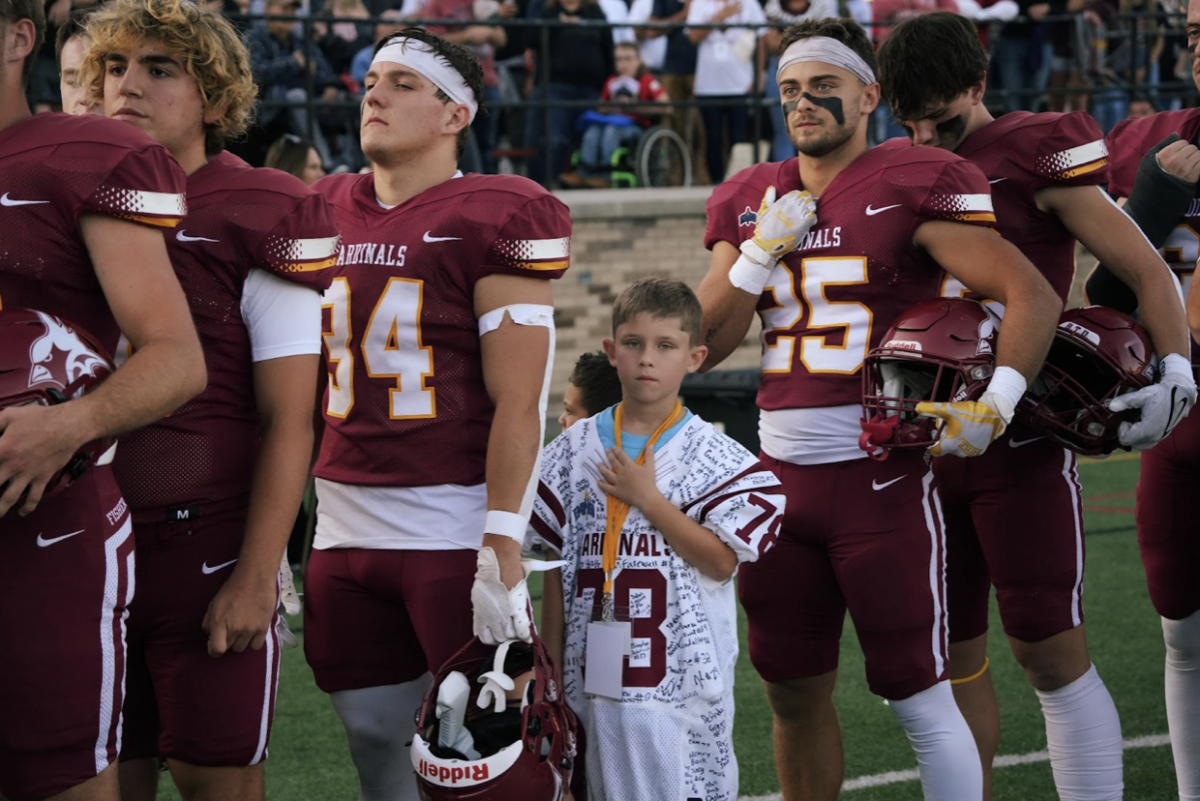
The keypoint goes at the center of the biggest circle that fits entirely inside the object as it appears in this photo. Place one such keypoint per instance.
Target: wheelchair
(660, 158)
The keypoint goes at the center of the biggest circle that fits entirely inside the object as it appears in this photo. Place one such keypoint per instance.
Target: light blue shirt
(632, 444)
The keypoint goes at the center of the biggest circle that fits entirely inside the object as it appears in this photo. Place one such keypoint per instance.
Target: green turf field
(310, 762)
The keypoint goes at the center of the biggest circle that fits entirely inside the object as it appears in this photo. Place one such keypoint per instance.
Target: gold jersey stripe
(309, 266)
(159, 222)
(540, 265)
(1084, 169)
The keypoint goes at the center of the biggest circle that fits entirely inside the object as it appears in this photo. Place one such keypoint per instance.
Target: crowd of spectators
(1113, 58)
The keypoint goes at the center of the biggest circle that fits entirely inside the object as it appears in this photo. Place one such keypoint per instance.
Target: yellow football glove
(782, 225)
(967, 427)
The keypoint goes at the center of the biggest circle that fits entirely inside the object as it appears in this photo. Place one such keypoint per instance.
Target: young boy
(592, 388)
(675, 505)
(618, 120)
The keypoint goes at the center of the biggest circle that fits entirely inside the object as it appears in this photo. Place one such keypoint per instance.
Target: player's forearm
(692, 541)
(1031, 312)
(1193, 309)
(276, 492)
(553, 630)
(1131, 259)
(157, 379)
(513, 448)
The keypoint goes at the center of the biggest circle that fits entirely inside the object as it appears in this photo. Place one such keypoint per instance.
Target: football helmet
(494, 725)
(941, 349)
(1097, 354)
(46, 360)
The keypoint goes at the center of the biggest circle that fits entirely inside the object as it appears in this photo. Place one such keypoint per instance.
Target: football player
(1047, 173)
(214, 488)
(70, 46)
(83, 205)
(1154, 173)
(858, 534)
(438, 339)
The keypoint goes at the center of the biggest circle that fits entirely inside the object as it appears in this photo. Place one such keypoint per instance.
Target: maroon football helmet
(942, 349)
(1097, 354)
(473, 743)
(46, 360)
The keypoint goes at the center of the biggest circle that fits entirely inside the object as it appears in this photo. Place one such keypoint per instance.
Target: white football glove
(289, 599)
(499, 613)
(781, 227)
(1163, 405)
(968, 427)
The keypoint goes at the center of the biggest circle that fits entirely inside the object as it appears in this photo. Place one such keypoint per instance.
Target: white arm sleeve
(283, 318)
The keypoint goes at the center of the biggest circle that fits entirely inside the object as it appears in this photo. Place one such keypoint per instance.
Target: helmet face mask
(44, 361)
(1097, 354)
(519, 742)
(939, 350)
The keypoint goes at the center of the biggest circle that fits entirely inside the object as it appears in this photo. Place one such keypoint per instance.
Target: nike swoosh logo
(872, 212)
(5, 200)
(182, 237)
(875, 485)
(1012, 443)
(208, 571)
(997, 180)
(43, 542)
(429, 238)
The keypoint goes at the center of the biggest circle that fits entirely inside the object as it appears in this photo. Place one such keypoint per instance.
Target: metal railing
(1140, 29)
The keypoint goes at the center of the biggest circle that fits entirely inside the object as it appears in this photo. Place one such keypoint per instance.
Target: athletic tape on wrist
(506, 524)
(1177, 366)
(1008, 384)
(749, 276)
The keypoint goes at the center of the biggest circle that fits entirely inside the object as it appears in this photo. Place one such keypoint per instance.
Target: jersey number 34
(390, 348)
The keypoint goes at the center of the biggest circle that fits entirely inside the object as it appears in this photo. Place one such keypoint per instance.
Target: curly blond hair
(209, 47)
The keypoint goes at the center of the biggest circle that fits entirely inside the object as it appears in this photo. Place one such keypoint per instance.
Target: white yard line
(897, 776)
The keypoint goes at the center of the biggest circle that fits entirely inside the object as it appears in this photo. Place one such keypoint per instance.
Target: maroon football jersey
(406, 404)
(55, 168)
(238, 218)
(1128, 143)
(1021, 153)
(830, 301)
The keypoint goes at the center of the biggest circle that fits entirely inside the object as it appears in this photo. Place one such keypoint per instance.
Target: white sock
(1183, 700)
(1083, 735)
(947, 758)
(380, 722)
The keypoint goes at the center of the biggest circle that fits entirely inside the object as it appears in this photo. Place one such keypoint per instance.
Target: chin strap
(496, 682)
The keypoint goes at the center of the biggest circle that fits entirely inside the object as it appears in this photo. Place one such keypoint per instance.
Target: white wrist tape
(1010, 385)
(748, 276)
(1176, 366)
(506, 524)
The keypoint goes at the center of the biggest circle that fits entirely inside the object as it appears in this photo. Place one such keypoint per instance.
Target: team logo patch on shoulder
(749, 218)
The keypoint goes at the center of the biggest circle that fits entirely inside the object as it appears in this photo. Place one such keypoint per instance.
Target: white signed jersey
(670, 734)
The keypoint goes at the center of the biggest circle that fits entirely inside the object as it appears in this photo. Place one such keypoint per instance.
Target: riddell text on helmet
(451, 777)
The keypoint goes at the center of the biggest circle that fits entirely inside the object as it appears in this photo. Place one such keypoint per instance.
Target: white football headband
(421, 58)
(828, 51)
